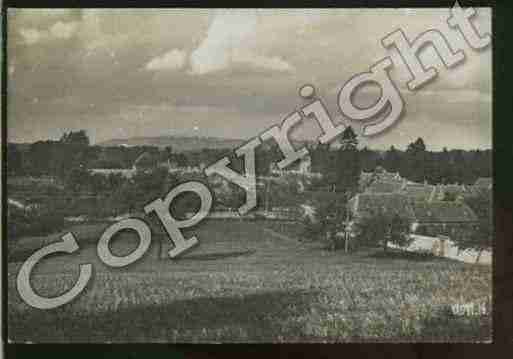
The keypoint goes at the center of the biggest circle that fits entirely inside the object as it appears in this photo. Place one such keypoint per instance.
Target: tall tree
(416, 160)
(445, 167)
(14, 160)
(381, 228)
(348, 140)
(347, 163)
(392, 160)
(75, 138)
(417, 146)
(330, 222)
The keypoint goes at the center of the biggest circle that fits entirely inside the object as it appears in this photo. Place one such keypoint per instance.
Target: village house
(483, 185)
(484, 182)
(382, 186)
(443, 217)
(422, 192)
(304, 168)
(426, 217)
(143, 162)
(380, 181)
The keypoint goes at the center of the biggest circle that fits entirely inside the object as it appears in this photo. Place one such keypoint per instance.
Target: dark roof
(443, 212)
(424, 212)
(364, 204)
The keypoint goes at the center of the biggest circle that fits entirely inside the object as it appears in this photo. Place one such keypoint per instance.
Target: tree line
(341, 168)
(416, 163)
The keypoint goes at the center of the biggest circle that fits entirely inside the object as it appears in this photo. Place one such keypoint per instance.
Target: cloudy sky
(229, 73)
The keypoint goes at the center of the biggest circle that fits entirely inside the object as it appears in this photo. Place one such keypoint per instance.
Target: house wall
(446, 248)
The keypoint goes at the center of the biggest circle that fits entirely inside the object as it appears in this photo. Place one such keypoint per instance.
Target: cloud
(253, 60)
(63, 30)
(172, 60)
(469, 96)
(230, 40)
(263, 62)
(59, 30)
(31, 36)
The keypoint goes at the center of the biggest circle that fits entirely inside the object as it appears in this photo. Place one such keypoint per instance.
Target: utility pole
(267, 196)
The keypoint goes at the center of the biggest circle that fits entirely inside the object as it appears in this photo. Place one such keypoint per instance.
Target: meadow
(248, 282)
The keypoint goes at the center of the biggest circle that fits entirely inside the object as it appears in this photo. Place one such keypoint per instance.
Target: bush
(381, 228)
(311, 229)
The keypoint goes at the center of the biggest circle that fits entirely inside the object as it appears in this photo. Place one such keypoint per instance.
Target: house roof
(381, 186)
(423, 212)
(145, 160)
(442, 211)
(364, 204)
(389, 176)
(477, 190)
(419, 192)
(484, 182)
(453, 188)
(384, 175)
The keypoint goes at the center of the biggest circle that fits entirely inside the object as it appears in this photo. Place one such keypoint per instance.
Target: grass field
(248, 282)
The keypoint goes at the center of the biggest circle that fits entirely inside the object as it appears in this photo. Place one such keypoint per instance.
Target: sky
(120, 73)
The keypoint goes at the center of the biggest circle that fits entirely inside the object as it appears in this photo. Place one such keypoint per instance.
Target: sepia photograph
(187, 175)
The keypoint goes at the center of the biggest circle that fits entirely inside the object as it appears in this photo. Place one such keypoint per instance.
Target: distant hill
(182, 144)
(178, 143)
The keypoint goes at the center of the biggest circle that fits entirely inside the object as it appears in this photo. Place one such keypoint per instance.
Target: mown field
(248, 282)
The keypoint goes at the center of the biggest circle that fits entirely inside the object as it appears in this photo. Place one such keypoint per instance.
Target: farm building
(442, 217)
(429, 218)
(384, 186)
(484, 182)
(384, 175)
(381, 181)
(145, 162)
(420, 191)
